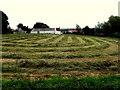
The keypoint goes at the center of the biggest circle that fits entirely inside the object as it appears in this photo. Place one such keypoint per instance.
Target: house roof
(43, 29)
(72, 31)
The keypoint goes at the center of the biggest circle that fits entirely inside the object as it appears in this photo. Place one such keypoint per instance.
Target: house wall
(19, 30)
(46, 30)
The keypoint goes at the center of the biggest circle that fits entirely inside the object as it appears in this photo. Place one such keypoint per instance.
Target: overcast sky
(59, 13)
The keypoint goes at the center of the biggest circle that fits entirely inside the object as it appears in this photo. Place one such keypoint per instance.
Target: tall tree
(107, 27)
(86, 30)
(78, 28)
(115, 23)
(20, 25)
(40, 25)
(99, 26)
(5, 23)
(112, 26)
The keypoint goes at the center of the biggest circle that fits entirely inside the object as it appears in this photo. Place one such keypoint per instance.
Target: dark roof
(66, 29)
(43, 29)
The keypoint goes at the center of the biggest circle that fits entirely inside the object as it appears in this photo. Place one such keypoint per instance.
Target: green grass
(33, 54)
(106, 82)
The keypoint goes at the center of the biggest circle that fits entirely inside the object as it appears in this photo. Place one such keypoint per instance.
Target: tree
(115, 23)
(86, 30)
(99, 30)
(107, 27)
(40, 25)
(5, 22)
(78, 28)
(99, 26)
(25, 28)
(112, 26)
(20, 25)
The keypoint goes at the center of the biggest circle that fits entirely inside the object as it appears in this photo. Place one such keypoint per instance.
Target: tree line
(109, 28)
(6, 29)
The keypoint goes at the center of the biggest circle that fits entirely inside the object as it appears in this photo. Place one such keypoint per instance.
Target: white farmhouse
(46, 30)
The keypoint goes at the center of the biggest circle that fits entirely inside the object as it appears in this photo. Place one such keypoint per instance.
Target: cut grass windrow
(45, 40)
(59, 61)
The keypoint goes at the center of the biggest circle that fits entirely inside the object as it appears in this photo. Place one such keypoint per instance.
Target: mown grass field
(43, 57)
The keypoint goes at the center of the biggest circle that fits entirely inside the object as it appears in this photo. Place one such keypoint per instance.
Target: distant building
(72, 31)
(19, 30)
(69, 30)
(46, 30)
